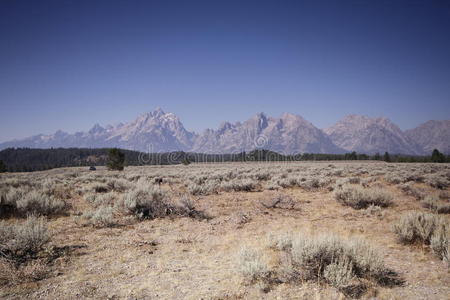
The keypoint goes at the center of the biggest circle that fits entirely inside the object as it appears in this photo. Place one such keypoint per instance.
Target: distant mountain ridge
(432, 135)
(158, 131)
(288, 134)
(371, 135)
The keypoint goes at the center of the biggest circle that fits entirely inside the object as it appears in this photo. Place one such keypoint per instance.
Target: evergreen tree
(377, 156)
(185, 161)
(387, 157)
(437, 156)
(2, 167)
(116, 159)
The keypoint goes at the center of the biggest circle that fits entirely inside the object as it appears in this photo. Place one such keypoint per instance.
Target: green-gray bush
(146, 202)
(252, 265)
(26, 239)
(416, 226)
(102, 216)
(333, 259)
(339, 273)
(359, 197)
(36, 202)
(440, 242)
(426, 228)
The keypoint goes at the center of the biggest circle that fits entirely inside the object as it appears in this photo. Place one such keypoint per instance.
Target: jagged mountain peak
(96, 129)
(289, 133)
(370, 135)
(286, 134)
(432, 135)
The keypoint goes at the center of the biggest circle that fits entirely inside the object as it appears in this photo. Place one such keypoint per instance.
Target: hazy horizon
(70, 64)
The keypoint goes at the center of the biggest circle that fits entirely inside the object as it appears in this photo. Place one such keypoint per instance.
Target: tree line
(28, 159)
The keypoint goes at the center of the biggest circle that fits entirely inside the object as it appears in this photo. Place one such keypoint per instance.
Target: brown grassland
(304, 230)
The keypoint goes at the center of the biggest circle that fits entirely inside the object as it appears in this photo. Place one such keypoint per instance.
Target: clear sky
(69, 64)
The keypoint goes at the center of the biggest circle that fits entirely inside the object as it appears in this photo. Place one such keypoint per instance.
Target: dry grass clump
(359, 197)
(333, 259)
(149, 202)
(261, 175)
(23, 240)
(101, 199)
(433, 203)
(272, 186)
(252, 264)
(185, 207)
(410, 190)
(119, 185)
(444, 195)
(373, 210)
(101, 217)
(146, 202)
(348, 265)
(416, 226)
(36, 202)
(313, 183)
(283, 181)
(23, 202)
(19, 248)
(100, 187)
(245, 185)
(395, 178)
(440, 242)
(354, 180)
(52, 187)
(437, 181)
(204, 188)
(425, 228)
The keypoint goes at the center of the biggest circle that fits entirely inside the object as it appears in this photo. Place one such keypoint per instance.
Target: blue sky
(69, 64)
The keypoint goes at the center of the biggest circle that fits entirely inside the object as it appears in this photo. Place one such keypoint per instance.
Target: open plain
(260, 230)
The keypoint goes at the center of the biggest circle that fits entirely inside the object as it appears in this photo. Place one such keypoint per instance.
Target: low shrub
(23, 202)
(395, 178)
(425, 228)
(245, 185)
(286, 182)
(413, 191)
(272, 185)
(146, 202)
(252, 265)
(312, 256)
(444, 195)
(373, 210)
(261, 176)
(119, 185)
(432, 203)
(359, 197)
(100, 187)
(313, 183)
(354, 180)
(36, 202)
(437, 181)
(416, 226)
(339, 273)
(440, 242)
(23, 240)
(342, 263)
(101, 199)
(100, 217)
(206, 188)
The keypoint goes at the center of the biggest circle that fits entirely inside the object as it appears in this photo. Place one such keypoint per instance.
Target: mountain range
(158, 131)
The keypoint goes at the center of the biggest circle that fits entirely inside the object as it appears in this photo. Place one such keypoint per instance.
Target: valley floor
(179, 257)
